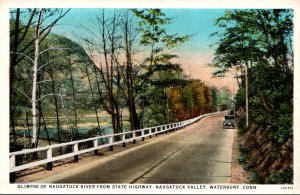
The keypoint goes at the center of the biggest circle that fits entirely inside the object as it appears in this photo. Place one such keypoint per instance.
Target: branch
(44, 65)
(24, 56)
(28, 25)
(267, 108)
(49, 95)
(53, 48)
(23, 93)
(43, 81)
(46, 30)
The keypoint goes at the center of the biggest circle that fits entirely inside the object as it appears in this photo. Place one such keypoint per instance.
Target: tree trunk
(66, 113)
(74, 97)
(41, 116)
(13, 60)
(93, 98)
(133, 116)
(34, 80)
(56, 106)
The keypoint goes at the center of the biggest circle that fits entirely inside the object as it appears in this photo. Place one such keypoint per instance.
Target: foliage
(244, 153)
(261, 42)
(192, 99)
(242, 125)
(265, 37)
(160, 73)
(281, 177)
(256, 179)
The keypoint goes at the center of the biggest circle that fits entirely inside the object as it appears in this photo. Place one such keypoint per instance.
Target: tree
(155, 37)
(107, 46)
(131, 70)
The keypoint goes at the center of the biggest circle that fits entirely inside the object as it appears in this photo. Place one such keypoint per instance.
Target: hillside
(268, 161)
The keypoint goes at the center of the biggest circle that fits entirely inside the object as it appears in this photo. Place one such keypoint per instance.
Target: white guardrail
(131, 136)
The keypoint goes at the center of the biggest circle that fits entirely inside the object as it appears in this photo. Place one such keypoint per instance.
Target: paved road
(200, 153)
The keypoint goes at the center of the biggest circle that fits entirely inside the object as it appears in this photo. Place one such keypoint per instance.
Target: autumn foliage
(190, 101)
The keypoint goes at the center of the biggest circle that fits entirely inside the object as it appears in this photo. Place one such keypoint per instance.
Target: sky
(194, 55)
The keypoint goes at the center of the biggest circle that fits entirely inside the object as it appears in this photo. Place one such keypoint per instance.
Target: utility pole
(247, 109)
(232, 100)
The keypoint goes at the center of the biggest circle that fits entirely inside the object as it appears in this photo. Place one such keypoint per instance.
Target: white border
(7, 188)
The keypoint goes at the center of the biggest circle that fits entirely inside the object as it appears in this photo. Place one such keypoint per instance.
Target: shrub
(256, 179)
(242, 125)
(243, 149)
(281, 177)
(284, 128)
(244, 155)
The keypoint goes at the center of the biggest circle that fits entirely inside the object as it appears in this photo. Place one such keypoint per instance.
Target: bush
(242, 125)
(243, 149)
(284, 128)
(256, 179)
(244, 154)
(242, 159)
(281, 177)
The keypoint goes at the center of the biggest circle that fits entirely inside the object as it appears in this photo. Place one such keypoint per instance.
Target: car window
(229, 117)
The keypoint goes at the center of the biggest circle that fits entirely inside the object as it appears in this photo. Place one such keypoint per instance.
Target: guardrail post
(12, 177)
(143, 133)
(156, 130)
(133, 136)
(95, 145)
(76, 149)
(124, 138)
(12, 164)
(111, 147)
(49, 156)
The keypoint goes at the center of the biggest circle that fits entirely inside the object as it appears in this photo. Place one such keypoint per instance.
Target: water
(64, 133)
(84, 132)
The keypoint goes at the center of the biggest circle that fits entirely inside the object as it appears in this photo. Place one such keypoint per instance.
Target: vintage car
(229, 121)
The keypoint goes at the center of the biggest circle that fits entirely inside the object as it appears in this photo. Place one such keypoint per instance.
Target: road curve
(200, 153)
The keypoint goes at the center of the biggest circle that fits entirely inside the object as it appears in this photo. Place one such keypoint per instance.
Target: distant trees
(190, 100)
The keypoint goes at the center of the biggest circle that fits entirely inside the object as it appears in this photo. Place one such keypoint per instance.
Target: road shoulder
(238, 174)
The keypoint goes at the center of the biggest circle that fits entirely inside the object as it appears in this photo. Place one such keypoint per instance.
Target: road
(200, 153)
